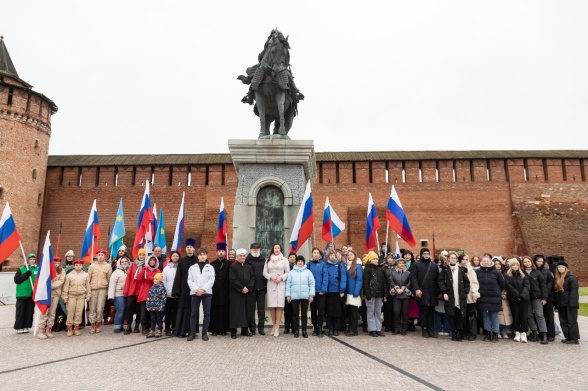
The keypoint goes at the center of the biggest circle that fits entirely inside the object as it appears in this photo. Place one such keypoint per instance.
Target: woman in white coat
(276, 272)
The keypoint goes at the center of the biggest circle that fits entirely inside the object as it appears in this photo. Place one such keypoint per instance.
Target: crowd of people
(500, 298)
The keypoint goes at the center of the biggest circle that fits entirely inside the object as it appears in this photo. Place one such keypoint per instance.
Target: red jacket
(144, 283)
(131, 285)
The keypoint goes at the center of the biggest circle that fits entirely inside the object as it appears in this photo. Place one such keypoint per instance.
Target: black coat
(257, 264)
(446, 286)
(181, 290)
(429, 287)
(374, 282)
(518, 286)
(240, 276)
(570, 296)
(491, 286)
(538, 288)
(220, 289)
(549, 280)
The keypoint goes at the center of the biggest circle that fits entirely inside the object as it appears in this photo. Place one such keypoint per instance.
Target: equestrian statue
(272, 88)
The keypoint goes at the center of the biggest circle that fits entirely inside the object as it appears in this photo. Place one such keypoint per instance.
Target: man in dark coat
(242, 282)
(257, 295)
(181, 290)
(219, 313)
(425, 279)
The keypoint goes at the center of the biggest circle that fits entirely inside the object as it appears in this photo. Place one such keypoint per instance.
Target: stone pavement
(109, 361)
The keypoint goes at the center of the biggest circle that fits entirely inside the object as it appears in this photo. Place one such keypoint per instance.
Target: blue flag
(160, 233)
(118, 231)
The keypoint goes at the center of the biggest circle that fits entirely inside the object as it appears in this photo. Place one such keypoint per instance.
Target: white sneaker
(20, 331)
(517, 337)
(524, 337)
(26, 331)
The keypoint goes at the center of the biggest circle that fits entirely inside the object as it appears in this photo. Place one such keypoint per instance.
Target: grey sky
(153, 77)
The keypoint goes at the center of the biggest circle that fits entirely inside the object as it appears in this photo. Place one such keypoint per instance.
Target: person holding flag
(47, 319)
(25, 306)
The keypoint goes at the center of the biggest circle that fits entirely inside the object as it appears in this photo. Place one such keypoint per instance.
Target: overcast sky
(156, 77)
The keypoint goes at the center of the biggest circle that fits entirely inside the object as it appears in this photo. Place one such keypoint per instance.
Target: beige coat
(474, 293)
(505, 316)
(76, 283)
(57, 284)
(276, 293)
(99, 274)
(117, 283)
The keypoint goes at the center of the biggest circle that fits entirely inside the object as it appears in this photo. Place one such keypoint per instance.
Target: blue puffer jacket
(337, 277)
(300, 283)
(354, 284)
(319, 272)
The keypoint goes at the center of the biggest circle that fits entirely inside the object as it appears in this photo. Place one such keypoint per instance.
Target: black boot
(533, 337)
(192, 337)
(458, 336)
(544, 340)
(425, 333)
(453, 335)
(494, 337)
(487, 336)
(127, 331)
(136, 328)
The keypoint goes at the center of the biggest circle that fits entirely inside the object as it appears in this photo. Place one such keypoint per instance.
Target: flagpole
(387, 228)
(26, 262)
(36, 322)
(58, 239)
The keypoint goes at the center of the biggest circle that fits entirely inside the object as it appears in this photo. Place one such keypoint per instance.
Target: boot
(533, 336)
(487, 336)
(92, 328)
(98, 325)
(151, 334)
(396, 331)
(42, 334)
(69, 331)
(127, 331)
(458, 336)
(544, 340)
(48, 332)
(111, 314)
(494, 337)
(524, 337)
(136, 328)
(517, 337)
(425, 334)
(191, 337)
(77, 330)
(453, 335)
(158, 334)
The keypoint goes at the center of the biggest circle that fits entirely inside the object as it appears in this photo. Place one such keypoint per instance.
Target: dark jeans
(171, 312)
(549, 318)
(568, 320)
(426, 316)
(288, 320)
(472, 320)
(519, 311)
(206, 300)
(353, 316)
(156, 317)
(388, 310)
(298, 305)
(400, 308)
(145, 318)
(317, 311)
(257, 298)
(130, 309)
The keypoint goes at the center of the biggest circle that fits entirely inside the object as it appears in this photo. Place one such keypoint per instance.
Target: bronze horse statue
(272, 87)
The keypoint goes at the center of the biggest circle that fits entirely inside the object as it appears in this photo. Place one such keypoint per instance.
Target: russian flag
(221, 231)
(45, 273)
(397, 220)
(332, 224)
(9, 237)
(397, 254)
(304, 224)
(177, 243)
(371, 226)
(144, 222)
(92, 235)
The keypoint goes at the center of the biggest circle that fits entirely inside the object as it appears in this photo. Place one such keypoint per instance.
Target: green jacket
(21, 279)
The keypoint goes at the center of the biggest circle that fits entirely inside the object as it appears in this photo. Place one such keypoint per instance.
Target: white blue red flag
(91, 236)
(179, 233)
(371, 226)
(45, 273)
(221, 231)
(143, 223)
(160, 239)
(332, 224)
(397, 254)
(397, 220)
(304, 224)
(9, 237)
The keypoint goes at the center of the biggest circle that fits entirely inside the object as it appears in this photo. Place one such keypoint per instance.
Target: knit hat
(241, 251)
(371, 256)
(158, 276)
(191, 242)
(142, 251)
(300, 258)
(563, 263)
(70, 253)
(424, 250)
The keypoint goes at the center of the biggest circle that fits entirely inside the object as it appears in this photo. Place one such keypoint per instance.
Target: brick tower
(25, 130)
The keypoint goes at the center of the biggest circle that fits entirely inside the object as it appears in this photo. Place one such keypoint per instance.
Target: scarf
(276, 258)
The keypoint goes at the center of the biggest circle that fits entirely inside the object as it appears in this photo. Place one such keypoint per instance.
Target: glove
(29, 273)
(110, 302)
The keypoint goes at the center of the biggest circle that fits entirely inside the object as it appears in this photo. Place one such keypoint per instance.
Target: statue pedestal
(272, 176)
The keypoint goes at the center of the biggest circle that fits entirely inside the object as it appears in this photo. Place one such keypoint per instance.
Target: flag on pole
(153, 227)
(143, 223)
(9, 237)
(45, 273)
(179, 233)
(160, 240)
(91, 236)
(332, 224)
(397, 220)
(397, 254)
(371, 226)
(221, 230)
(304, 221)
(118, 231)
